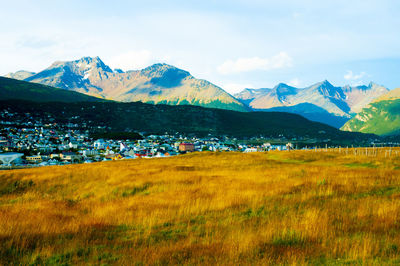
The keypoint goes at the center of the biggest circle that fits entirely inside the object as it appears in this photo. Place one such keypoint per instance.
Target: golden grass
(298, 207)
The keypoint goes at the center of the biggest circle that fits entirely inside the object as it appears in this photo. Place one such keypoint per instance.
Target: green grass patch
(136, 190)
(16, 187)
(384, 191)
(361, 165)
(289, 238)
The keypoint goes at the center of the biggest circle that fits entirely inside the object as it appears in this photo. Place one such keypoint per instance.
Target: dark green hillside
(22, 90)
(120, 117)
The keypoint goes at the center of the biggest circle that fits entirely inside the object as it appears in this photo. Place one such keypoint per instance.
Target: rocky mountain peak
(118, 70)
(281, 86)
(161, 68)
(283, 89)
(375, 86)
(325, 85)
(328, 90)
(326, 82)
(165, 75)
(92, 62)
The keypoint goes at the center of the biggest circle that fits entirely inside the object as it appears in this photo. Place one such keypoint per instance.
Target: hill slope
(22, 90)
(381, 117)
(311, 112)
(21, 75)
(159, 83)
(391, 95)
(183, 119)
(340, 102)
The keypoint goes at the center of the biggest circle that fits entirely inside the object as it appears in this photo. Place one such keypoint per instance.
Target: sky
(234, 44)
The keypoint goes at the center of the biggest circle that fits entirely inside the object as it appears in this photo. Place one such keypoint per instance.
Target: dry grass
(299, 207)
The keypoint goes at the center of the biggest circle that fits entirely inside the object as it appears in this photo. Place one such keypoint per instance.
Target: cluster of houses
(41, 147)
(25, 144)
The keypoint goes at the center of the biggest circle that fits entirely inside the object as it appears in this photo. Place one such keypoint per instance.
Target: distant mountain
(22, 90)
(360, 96)
(159, 83)
(381, 117)
(21, 75)
(341, 103)
(158, 119)
(391, 95)
(313, 113)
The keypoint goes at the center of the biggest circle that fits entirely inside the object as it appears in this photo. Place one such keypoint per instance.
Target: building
(122, 147)
(186, 147)
(252, 149)
(54, 155)
(100, 144)
(88, 152)
(34, 159)
(72, 145)
(71, 157)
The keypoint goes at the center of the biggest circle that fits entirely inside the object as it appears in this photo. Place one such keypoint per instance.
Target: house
(54, 155)
(186, 147)
(142, 153)
(34, 159)
(100, 144)
(71, 157)
(88, 152)
(72, 145)
(122, 147)
(250, 150)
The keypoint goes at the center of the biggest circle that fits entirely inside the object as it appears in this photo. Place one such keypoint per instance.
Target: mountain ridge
(162, 83)
(341, 102)
(158, 83)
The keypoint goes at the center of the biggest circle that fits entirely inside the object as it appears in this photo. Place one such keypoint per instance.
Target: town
(29, 141)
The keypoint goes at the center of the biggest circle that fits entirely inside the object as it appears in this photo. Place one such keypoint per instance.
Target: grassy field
(298, 207)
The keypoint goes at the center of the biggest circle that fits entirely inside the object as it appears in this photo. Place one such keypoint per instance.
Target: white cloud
(134, 59)
(281, 60)
(294, 82)
(233, 88)
(353, 77)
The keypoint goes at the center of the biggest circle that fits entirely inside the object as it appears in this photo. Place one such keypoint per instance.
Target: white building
(100, 144)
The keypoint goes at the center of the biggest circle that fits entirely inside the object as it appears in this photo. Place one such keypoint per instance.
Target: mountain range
(166, 84)
(21, 97)
(159, 83)
(321, 102)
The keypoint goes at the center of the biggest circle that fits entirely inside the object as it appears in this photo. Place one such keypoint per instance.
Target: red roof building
(186, 147)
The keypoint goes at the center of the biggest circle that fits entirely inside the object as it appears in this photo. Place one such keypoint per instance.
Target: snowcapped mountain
(166, 84)
(320, 102)
(159, 83)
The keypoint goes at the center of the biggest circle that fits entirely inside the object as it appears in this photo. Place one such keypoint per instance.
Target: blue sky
(234, 44)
